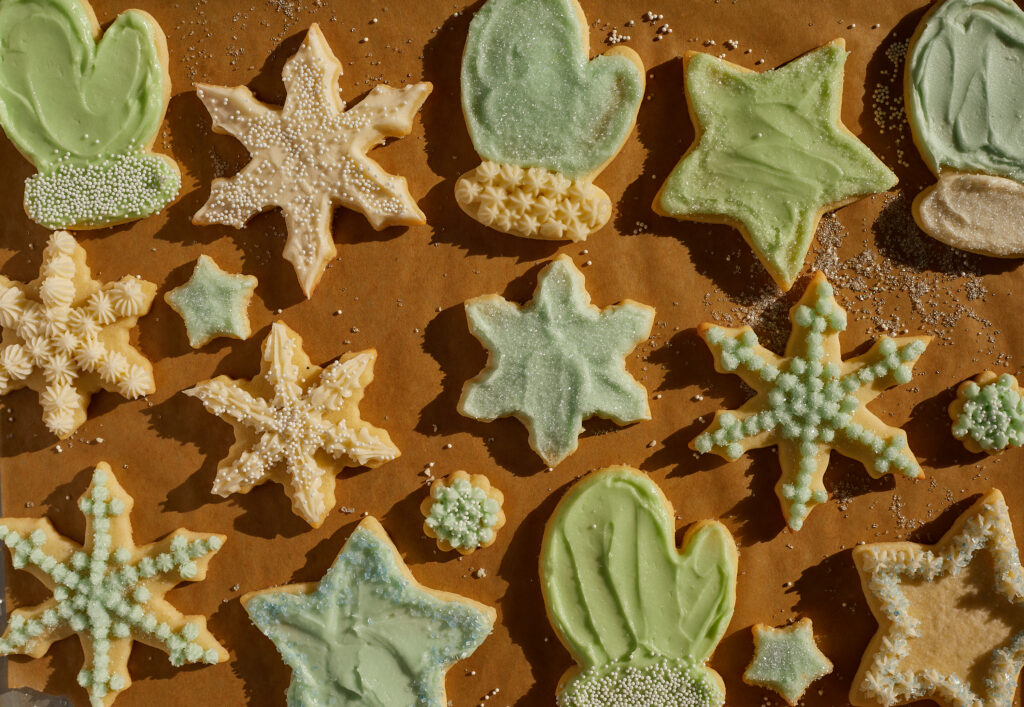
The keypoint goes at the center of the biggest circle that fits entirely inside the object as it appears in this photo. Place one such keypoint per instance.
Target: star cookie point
(66, 335)
(810, 401)
(309, 156)
(786, 660)
(557, 360)
(368, 632)
(296, 424)
(109, 591)
(213, 303)
(771, 154)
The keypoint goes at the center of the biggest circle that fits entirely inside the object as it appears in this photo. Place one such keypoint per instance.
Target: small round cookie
(463, 512)
(545, 118)
(85, 111)
(964, 100)
(640, 615)
(988, 413)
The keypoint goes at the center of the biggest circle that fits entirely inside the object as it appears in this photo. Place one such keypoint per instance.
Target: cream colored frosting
(975, 212)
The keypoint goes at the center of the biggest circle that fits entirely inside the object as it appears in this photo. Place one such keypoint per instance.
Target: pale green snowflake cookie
(463, 512)
(556, 361)
(786, 660)
(811, 401)
(988, 413)
(368, 633)
(213, 303)
(108, 591)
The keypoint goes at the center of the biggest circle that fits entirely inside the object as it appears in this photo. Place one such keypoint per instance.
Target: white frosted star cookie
(296, 424)
(65, 335)
(310, 156)
(950, 615)
(109, 591)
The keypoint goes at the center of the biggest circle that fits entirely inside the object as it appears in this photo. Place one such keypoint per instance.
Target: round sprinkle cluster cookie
(463, 512)
(988, 413)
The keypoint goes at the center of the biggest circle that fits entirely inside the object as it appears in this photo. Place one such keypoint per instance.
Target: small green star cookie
(771, 155)
(810, 401)
(368, 633)
(988, 413)
(786, 660)
(213, 303)
(557, 360)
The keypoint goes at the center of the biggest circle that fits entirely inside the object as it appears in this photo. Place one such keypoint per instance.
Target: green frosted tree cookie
(556, 361)
(85, 111)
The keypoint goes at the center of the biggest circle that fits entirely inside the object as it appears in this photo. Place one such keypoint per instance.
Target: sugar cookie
(310, 156)
(988, 413)
(213, 303)
(85, 111)
(368, 633)
(639, 615)
(810, 401)
(296, 424)
(965, 96)
(544, 117)
(771, 154)
(950, 622)
(109, 591)
(786, 660)
(463, 512)
(556, 361)
(65, 335)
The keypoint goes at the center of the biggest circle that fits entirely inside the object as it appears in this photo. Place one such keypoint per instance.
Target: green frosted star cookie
(786, 660)
(556, 361)
(368, 633)
(213, 303)
(811, 401)
(771, 154)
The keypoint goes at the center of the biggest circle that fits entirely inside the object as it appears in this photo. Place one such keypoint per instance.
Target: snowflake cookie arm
(229, 400)
(486, 396)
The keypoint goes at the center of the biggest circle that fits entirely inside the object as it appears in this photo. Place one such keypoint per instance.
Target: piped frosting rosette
(965, 101)
(544, 117)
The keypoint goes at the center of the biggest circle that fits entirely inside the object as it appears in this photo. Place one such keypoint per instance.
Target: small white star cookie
(296, 424)
(109, 591)
(310, 155)
(65, 335)
(786, 660)
(950, 615)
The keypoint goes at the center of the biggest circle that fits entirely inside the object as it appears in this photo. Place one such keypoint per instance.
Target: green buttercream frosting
(532, 98)
(367, 635)
(640, 616)
(462, 515)
(965, 87)
(213, 303)
(786, 660)
(557, 361)
(992, 414)
(84, 112)
(772, 154)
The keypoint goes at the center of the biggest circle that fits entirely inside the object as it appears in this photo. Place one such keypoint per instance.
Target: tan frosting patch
(974, 212)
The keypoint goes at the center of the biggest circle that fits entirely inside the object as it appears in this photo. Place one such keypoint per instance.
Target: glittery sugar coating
(463, 512)
(556, 361)
(786, 660)
(368, 633)
(86, 112)
(903, 581)
(531, 95)
(109, 591)
(772, 154)
(310, 155)
(811, 401)
(65, 335)
(296, 424)
(213, 303)
(988, 413)
(640, 615)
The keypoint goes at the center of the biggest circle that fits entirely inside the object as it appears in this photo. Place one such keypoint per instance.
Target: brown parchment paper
(401, 291)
